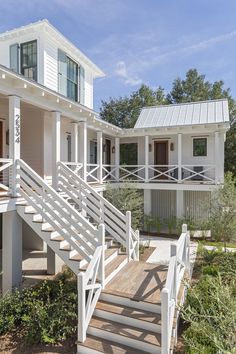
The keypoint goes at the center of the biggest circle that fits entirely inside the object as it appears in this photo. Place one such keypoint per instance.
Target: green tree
(124, 111)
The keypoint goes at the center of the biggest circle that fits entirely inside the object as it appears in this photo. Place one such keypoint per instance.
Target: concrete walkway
(161, 254)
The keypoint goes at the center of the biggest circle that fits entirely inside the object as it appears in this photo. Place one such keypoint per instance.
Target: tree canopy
(124, 111)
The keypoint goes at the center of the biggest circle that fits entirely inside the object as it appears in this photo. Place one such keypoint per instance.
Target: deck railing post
(173, 253)
(101, 270)
(165, 325)
(81, 308)
(137, 246)
(128, 233)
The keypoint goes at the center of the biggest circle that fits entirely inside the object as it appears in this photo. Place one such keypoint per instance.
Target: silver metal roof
(205, 112)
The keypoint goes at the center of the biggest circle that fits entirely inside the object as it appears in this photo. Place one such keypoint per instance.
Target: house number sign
(17, 131)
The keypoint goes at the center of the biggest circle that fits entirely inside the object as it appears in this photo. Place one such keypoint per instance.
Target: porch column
(146, 149)
(56, 146)
(14, 137)
(179, 157)
(75, 141)
(179, 204)
(99, 155)
(12, 251)
(83, 148)
(117, 158)
(218, 159)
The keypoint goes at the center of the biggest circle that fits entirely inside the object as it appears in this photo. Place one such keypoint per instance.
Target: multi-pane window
(200, 147)
(72, 79)
(29, 60)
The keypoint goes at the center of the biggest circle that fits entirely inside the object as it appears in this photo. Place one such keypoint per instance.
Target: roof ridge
(185, 103)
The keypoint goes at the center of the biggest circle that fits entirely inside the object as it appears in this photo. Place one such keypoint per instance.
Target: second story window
(28, 59)
(70, 78)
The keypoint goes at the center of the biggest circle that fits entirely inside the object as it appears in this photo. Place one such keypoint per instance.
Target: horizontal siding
(163, 203)
(88, 87)
(196, 204)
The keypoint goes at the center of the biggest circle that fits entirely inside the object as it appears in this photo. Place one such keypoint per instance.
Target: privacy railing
(179, 264)
(99, 209)
(5, 174)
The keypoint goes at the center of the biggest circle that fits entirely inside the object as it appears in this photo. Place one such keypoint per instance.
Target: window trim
(77, 78)
(206, 146)
(21, 59)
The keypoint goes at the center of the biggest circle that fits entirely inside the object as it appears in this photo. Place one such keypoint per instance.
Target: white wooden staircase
(96, 241)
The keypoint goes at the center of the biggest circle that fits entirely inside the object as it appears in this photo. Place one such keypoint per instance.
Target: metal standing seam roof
(204, 112)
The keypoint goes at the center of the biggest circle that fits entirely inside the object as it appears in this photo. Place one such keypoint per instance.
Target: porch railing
(151, 174)
(179, 264)
(5, 174)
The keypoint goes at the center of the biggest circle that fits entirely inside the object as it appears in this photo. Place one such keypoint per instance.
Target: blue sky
(140, 41)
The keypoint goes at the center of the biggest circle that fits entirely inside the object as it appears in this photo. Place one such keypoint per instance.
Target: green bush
(46, 313)
(210, 308)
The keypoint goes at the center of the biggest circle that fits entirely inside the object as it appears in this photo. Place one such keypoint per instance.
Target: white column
(179, 204)
(12, 251)
(75, 141)
(147, 201)
(99, 155)
(146, 149)
(56, 145)
(83, 148)
(54, 263)
(117, 158)
(14, 136)
(179, 157)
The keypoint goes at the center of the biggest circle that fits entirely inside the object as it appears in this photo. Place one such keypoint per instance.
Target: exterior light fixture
(171, 146)
(150, 147)
(113, 149)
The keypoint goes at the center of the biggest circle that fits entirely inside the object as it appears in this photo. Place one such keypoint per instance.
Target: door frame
(167, 150)
(3, 121)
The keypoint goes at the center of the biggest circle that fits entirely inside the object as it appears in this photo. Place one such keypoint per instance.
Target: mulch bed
(146, 254)
(14, 343)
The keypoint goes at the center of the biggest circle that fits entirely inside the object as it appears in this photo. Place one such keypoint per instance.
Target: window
(14, 57)
(200, 147)
(72, 79)
(29, 59)
(129, 154)
(68, 72)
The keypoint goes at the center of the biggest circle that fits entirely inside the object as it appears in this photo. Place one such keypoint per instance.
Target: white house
(57, 156)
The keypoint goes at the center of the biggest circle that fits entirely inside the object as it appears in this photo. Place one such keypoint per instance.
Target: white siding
(163, 203)
(32, 138)
(50, 64)
(196, 204)
(88, 87)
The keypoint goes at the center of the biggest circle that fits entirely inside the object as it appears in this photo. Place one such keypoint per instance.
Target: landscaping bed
(208, 323)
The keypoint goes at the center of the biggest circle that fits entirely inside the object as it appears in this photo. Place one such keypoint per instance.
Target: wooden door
(161, 157)
(107, 152)
(1, 139)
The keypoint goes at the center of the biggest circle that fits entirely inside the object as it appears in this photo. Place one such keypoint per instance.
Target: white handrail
(179, 264)
(99, 208)
(75, 229)
(5, 173)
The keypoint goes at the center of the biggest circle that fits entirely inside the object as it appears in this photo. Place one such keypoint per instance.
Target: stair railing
(99, 209)
(90, 285)
(68, 222)
(179, 264)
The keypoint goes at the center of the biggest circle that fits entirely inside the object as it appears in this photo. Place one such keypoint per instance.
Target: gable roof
(183, 114)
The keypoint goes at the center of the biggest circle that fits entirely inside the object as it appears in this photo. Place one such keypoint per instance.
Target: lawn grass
(218, 244)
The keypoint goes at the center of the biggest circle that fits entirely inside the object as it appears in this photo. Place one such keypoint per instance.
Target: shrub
(47, 313)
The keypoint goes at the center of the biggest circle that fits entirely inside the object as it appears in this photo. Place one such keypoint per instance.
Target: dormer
(41, 53)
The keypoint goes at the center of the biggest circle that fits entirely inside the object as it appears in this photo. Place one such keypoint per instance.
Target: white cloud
(122, 72)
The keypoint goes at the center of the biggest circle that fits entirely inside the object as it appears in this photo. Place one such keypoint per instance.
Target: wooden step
(110, 251)
(114, 264)
(123, 314)
(58, 238)
(125, 334)
(77, 258)
(100, 345)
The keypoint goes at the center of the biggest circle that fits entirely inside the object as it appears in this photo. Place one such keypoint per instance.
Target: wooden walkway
(139, 281)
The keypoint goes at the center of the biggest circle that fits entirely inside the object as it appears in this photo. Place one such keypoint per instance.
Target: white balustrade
(178, 265)
(5, 174)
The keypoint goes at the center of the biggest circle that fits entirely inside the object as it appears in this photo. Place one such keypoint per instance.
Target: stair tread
(131, 312)
(65, 248)
(58, 238)
(110, 251)
(114, 264)
(106, 346)
(127, 331)
(76, 257)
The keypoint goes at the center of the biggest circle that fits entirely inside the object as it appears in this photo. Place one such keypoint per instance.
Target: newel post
(101, 270)
(165, 326)
(128, 232)
(137, 246)
(81, 308)
(173, 253)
